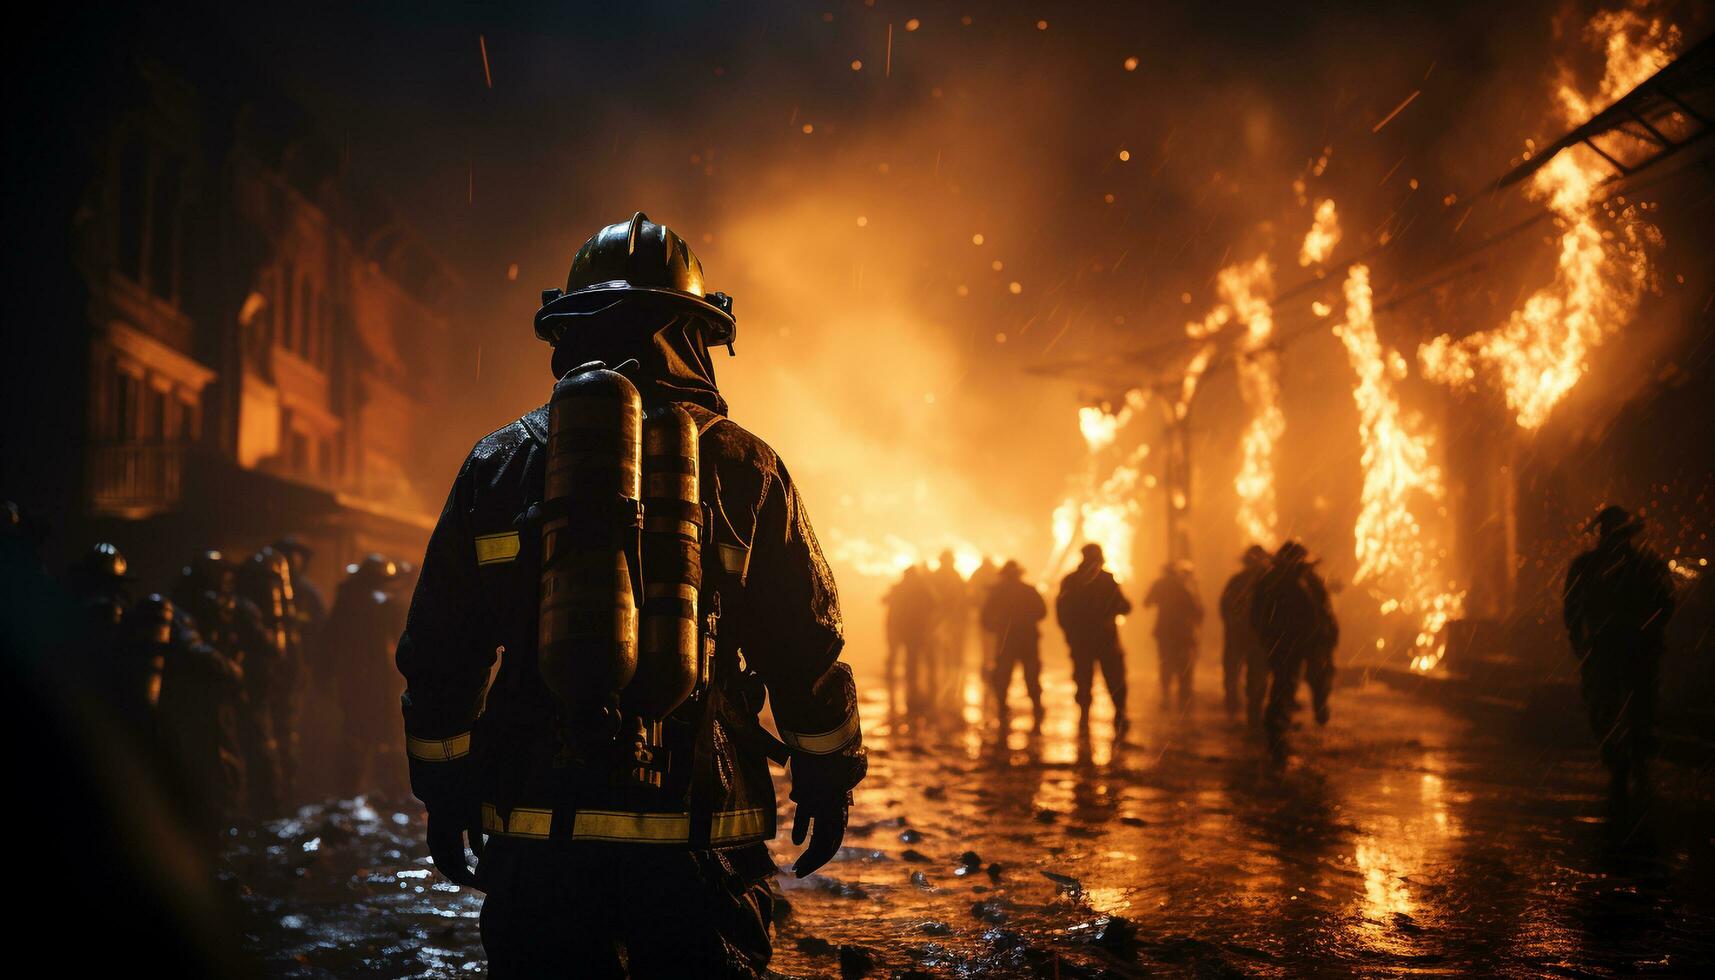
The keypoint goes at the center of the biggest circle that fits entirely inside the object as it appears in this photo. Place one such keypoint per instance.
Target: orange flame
(1541, 352)
(1394, 551)
(1103, 509)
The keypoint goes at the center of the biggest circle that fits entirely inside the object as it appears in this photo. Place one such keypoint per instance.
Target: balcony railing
(135, 479)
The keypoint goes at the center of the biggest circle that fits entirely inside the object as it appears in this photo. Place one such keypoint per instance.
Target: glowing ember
(1541, 352)
(1393, 548)
(1323, 235)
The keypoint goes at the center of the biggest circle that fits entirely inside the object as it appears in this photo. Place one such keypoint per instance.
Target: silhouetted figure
(1295, 623)
(1243, 660)
(146, 638)
(952, 625)
(983, 578)
(99, 585)
(203, 693)
(1088, 607)
(271, 675)
(361, 634)
(913, 615)
(1178, 621)
(1618, 600)
(1011, 614)
(909, 607)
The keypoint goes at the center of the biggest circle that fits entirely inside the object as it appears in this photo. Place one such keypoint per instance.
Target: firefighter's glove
(448, 828)
(822, 788)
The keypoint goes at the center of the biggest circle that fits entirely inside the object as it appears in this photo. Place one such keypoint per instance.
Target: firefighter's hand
(825, 822)
(447, 832)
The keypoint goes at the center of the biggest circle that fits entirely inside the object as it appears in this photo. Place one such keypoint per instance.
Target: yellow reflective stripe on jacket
(625, 827)
(438, 749)
(825, 743)
(493, 549)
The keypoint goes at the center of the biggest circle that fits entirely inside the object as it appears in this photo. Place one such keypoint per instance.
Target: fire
(1394, 550)
(1246, 288)
(1541, 352)
(1102, 509)
(1323, 235)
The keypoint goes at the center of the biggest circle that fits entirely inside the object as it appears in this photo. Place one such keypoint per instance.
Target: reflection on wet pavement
(1399, 840)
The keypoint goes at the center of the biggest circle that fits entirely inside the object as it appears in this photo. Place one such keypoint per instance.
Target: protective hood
(673, 359)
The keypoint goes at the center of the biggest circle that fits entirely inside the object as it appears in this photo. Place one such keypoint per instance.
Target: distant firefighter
(1011, 614)
(952, 625)
(1295, 623)
(1618, 600)
(232, 624)
(910, 614)
(99, 583)
(1178, 622)
(202, 690)
(1244, 662)
(265, 581)
(360, 637)
(983, 578)
(1088, 608)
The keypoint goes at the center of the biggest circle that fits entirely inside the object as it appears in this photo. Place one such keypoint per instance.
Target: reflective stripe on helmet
(438, 749)
(826, 743)
(623, 826)
(492, 549)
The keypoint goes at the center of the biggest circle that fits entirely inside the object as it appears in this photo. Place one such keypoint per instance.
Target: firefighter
(596, 851)
(1011, 613)
(203, 691)
(1089, 607)
(99, 585)
(360, 636)
(953, 613)
(1294, 621)
(146, 637)
(983, 579)
(1178, 620)
(910, 608)
(264, 583)
(1618, 600)
(911, 617)
(1243, 661)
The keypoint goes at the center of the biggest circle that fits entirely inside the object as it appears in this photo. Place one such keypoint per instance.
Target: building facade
(253, 343)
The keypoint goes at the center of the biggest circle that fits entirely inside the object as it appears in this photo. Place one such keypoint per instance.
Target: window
(163, 244)
(124, 415)
(132, 205)
(148, 202)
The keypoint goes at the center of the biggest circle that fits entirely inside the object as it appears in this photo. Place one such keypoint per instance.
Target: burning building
(245, 342)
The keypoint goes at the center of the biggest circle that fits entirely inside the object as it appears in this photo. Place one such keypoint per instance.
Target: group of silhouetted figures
(1279, 631)
(211, 679)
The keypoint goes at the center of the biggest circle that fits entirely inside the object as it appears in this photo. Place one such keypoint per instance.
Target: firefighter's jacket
(496, 745)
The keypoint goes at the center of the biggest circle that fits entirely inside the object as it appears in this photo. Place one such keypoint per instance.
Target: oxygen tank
(668, 646)
(591, 508)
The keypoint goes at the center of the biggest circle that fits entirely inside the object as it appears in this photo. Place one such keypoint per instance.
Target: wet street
(1400, 840)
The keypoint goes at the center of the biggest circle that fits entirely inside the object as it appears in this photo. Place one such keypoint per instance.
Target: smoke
(911, 220)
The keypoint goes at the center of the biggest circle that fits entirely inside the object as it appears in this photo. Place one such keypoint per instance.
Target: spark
(482, 45)
(1396, 110)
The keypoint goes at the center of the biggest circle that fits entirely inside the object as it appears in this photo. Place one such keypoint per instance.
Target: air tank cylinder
(591, 576)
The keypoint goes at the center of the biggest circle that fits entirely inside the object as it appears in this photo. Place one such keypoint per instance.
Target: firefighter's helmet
(103, 563)
(634, 261)
(1614, 521)
(208, 571)
(374, 570)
